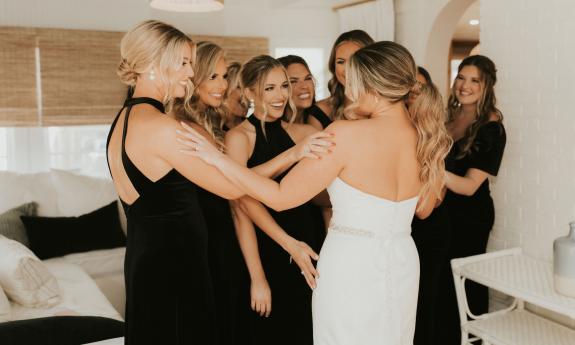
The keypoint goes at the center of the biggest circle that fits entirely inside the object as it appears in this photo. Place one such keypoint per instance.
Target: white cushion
(24, 278)
(80, 194)
(5, 312)
(80, 295)
(17, 189)
(99, 262)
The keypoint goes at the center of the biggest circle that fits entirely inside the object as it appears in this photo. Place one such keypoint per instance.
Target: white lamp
(188, 5)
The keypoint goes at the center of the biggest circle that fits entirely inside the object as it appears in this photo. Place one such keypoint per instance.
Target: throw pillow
(57, 236)
(11, 225)
(5, 312)
(17, 189)
(24, 278)
(80, 194)
(61, 330)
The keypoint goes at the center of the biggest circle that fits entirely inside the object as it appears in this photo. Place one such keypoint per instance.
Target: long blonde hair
(253, 76)
(153, 44)
(210, 118)
(388, 69)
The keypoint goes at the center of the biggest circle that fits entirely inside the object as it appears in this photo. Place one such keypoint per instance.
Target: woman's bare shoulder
(325, 105)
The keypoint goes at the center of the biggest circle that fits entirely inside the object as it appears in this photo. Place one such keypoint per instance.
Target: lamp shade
(187, 5)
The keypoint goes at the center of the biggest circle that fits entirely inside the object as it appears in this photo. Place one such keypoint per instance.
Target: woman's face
(212, 90)
(342, 54)
(275, 94)
(303, 88)
(414, 94)
(467, 86)
(234, 103)
(181, 76)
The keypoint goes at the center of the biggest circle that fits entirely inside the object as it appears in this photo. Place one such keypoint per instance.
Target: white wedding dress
(369, 272)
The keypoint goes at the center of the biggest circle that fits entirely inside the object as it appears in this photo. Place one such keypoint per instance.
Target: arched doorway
(440, 38)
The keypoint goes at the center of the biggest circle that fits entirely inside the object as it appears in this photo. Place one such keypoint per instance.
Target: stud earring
(152, 75)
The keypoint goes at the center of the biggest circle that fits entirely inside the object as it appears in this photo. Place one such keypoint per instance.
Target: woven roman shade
(18, 104)
(239, 49)
(79, 81)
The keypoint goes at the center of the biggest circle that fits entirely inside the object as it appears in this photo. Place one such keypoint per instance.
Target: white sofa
(91, 283)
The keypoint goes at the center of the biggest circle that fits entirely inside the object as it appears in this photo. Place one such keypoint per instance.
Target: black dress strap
(318, 114)
(140, 182)
(148, 100)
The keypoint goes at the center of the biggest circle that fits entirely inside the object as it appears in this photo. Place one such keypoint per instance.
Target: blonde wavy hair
(193, 109)
(253, 76)
(153, 44)
(388, 69)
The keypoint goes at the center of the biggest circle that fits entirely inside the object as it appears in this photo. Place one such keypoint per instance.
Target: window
(3, 149)
(315, 61)
(79, 148)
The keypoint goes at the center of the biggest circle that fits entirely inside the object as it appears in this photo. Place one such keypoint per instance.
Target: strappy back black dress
(169, 297)
(290, 321)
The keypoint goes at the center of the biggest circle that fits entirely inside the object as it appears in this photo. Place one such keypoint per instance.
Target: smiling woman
(294, 233)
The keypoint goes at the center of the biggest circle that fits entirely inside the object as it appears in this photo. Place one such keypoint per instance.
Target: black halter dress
(290, 320)
(169, 297)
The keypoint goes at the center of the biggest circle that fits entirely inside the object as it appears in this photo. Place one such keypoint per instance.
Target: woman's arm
(239, 150)
(307, 179)
(260, 292)
(299, 251)
(311, 147)
(468, 184)
(165, 145)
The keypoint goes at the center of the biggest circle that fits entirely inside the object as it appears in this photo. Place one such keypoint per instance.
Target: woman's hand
(198, 146)
(313, 146)
(261, 297)
(303, 255)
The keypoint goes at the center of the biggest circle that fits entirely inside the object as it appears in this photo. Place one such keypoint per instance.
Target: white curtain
(377, 18)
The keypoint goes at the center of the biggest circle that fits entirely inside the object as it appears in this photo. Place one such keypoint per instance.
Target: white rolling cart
(527, 280)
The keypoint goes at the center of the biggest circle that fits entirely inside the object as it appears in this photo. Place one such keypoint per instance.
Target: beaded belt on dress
(351, 231)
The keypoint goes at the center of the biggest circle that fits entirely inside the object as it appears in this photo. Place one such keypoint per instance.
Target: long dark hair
(336, 90)
(485, 106)
(288, 60)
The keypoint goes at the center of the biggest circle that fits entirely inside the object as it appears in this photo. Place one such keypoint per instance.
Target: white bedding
(80, 295)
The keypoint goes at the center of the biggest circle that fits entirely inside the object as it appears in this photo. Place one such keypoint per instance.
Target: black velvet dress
(471, 219)
(290, 321)
(169, 297)
(230, 277)
(432, 238)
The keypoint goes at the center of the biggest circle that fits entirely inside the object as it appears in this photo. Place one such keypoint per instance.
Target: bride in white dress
(386, 165)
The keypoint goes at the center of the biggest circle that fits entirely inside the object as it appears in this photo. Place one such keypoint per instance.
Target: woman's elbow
(278, 207)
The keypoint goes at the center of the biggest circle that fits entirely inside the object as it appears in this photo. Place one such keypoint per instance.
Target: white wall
(426, 28)
(532, 45)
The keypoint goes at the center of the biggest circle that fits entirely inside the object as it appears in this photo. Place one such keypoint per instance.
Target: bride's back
(381, 156)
